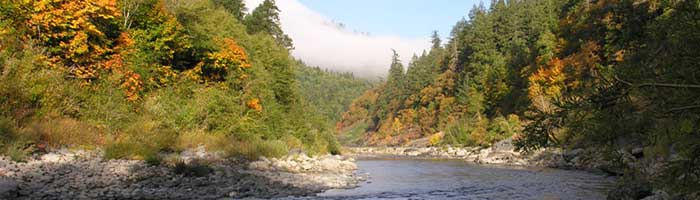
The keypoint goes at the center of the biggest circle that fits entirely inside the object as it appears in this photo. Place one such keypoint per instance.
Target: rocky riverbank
(618, 163)
(501, 153)
(85, 175)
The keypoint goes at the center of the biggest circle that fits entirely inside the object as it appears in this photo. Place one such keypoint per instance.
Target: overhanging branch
(670, 85)
(684, 108)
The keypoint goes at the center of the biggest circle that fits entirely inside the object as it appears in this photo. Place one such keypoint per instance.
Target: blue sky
(406, 18)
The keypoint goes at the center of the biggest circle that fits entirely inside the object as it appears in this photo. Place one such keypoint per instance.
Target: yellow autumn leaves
(232, 58)
(75, 30)
(83, 37)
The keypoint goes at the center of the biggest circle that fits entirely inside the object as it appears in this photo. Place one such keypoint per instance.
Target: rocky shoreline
(197, 175)
(633, 186)
(501, 153)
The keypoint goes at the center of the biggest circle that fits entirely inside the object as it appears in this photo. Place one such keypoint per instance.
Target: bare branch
(670, 85)
(683, 108)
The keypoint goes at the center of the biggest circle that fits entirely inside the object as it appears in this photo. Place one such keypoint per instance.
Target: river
(455, 179)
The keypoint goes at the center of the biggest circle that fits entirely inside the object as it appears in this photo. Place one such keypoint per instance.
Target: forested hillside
(139, 77)
(613, 75)
(329, 93)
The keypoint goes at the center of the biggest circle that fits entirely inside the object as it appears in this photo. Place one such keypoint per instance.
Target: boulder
(503, 145)
(52, 157)
(658, 195)
(638, 152)
(570, 155)
(634, 190)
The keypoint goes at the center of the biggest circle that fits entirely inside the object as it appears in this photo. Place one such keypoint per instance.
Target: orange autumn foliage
(74, 31)
(547, 80)
(231, 58)
(567, 74)
(132, 85)
(131, 81)
(231, 55)
(254, 104)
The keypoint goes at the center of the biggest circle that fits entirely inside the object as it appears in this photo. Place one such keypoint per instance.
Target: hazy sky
(404, 25)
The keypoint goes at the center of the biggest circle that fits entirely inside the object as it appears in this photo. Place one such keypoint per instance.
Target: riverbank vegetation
(140, 77)
(612, 75)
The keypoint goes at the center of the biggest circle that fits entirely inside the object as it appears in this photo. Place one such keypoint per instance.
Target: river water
(454, 179)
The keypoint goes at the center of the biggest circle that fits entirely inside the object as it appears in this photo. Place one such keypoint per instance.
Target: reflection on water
(452, 179)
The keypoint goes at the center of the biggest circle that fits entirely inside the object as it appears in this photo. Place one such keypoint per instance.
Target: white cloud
(320, 42)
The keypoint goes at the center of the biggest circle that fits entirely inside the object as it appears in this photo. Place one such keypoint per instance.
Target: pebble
(85, 175)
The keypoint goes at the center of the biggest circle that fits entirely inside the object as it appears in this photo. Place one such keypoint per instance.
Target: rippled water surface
(453, 179)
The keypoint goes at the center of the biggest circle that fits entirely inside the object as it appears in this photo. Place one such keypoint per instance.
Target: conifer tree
(265, 18)
(435, 39)
(236, 7)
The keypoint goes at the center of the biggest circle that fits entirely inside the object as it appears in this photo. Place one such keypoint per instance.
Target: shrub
(16, 145)
(271, 148)
(242, 149)
(7, 130)
(65, 132)
(353, 134)
(435, 139)
(105, 105)
(211, 142)
(501, 128)
(322, 143)
(252, 150)
(128, 150)
(18, 151)
(457, 135)
(478, 137)
(196, 168)
(292, 142)
(333, 147)
(142, 140)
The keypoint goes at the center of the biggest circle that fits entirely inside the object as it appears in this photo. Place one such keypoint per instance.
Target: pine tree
(236, 7)
(265, 18)
(435, 39)
(395, 79)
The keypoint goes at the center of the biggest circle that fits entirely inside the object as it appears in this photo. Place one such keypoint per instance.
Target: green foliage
(462, 86)
(165, 76)
(162, 43)
(195, 168)
(265, 19)
(59, 132)
(353, 135)
(12, 143)
(235, 7)
(501, 128)
(142, 140)
(329, 93)
(254, 149)
(481, 131)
